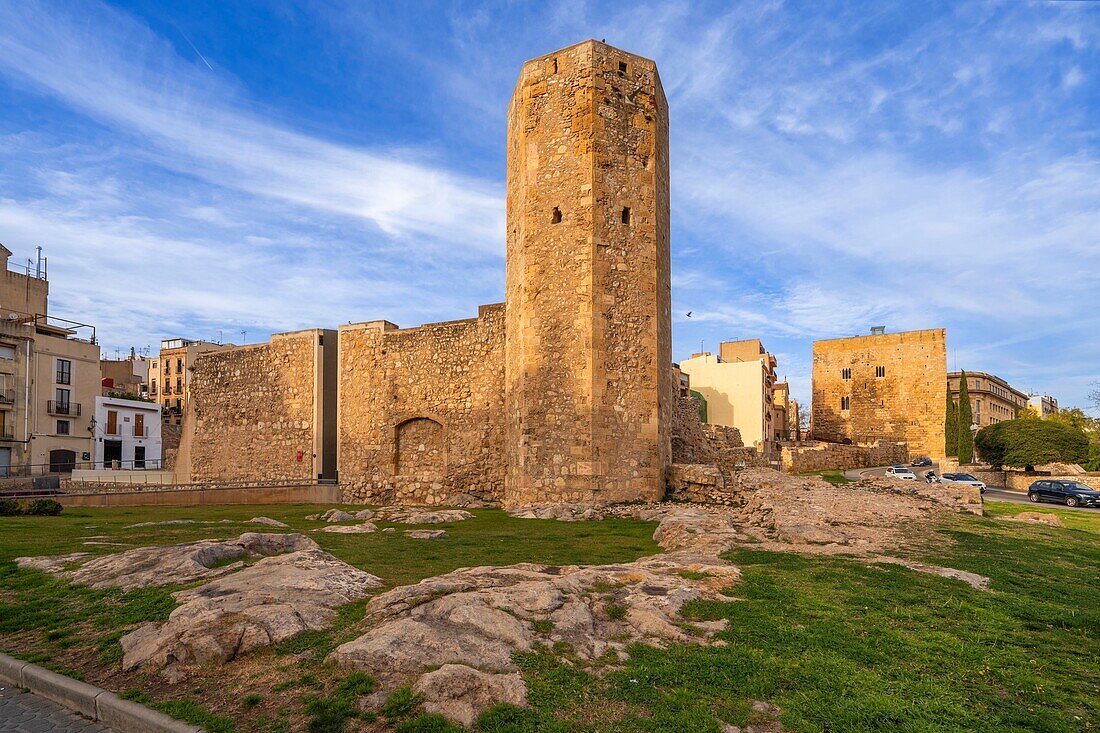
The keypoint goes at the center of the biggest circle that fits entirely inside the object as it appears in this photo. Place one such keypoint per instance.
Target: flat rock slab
(461, 694)
(364, 528)
(52, 563)
(268, 521)
(407, 515)
(1052, 520)
(426, 534)
(479, 617)
(146, 567)
(582, 512)
(267, 602)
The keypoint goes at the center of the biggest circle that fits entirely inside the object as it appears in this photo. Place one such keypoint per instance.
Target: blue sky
(221, 167)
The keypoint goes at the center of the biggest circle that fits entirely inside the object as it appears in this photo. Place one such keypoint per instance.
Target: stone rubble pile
(580, 512)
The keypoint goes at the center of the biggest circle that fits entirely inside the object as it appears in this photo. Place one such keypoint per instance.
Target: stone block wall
(889, 387)
(254, 410)
(421, 417)
(822, 456)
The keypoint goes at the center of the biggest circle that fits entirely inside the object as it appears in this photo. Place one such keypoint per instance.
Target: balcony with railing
(7, 396)
(54, 407)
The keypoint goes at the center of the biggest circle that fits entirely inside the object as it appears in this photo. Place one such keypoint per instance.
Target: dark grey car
(1070, 493)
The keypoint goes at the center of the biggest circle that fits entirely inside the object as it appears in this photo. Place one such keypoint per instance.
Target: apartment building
(129, 375)
(169, 373)
(992, 399)
(737, 385)
(49, 378)
(1044, 405)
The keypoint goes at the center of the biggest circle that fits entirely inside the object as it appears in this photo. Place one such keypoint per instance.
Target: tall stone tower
(588, 346)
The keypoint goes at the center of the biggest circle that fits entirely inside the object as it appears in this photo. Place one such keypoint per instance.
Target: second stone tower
(588, 349)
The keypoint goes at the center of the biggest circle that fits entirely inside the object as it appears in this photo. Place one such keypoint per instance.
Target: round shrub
(1025, 442)
(43, 508)
(10, 508)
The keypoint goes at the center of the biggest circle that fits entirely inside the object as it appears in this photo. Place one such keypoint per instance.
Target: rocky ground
(452, 637)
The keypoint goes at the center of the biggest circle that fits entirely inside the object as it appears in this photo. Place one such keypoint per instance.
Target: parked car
(901, 472)
(1070, 493)
(923, 461)
(963, 478)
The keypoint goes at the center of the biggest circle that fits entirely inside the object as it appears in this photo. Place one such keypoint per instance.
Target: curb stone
(94, 703)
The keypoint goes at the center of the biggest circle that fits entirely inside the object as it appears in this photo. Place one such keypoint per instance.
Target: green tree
(966, 417)
(951, 428)
(1022, 443)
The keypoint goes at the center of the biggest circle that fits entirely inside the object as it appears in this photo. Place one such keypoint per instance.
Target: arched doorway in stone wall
(420, 449)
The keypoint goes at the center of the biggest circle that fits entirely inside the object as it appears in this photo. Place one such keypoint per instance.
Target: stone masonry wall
(254, 411)
(589, 389)
(422, 410)
(905, 405)
(822, 456)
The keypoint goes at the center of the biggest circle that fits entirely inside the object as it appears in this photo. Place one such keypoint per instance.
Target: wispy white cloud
(119, 72)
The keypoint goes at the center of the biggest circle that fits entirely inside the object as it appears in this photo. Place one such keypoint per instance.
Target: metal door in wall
(5, 461)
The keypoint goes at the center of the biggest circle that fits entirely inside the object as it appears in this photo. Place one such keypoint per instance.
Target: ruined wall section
(907, 404)
(253, 411)
(590, 396)
(421, 417)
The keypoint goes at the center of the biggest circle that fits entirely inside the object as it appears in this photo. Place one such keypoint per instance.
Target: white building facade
(127, 434)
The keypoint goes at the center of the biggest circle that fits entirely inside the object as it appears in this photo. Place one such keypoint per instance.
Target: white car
(901, 472)
(963, 478)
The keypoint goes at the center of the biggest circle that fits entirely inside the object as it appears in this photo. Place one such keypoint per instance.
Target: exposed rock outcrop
(364, 528)
(271, 600)
(426, 534)
(145, 567)
(480, 617)
(460, 693)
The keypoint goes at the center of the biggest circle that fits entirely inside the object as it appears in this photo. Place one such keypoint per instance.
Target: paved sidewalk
(23, 712)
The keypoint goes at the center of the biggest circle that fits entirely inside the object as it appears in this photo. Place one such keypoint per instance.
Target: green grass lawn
(838, 645)
(833, 476)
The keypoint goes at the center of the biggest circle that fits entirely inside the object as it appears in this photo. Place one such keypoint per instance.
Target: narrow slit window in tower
(622, 67)
(555, 66)
(626, 215)
(555, 218)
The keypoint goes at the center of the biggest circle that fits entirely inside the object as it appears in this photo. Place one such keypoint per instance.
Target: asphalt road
(992, 494)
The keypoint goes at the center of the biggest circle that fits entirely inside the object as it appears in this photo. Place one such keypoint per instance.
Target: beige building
(169, 374)
(563, 393)
(49, 379)
(886, 386)
(992, 399)
(738, 385)
(781, 411)
(130, 375)
(794, 421)
(1044, 405)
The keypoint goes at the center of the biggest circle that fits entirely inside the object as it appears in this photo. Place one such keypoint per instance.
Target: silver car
(902, 472)
(962, 478)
